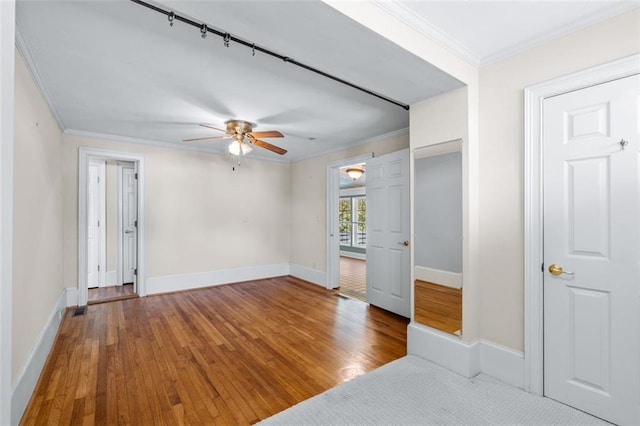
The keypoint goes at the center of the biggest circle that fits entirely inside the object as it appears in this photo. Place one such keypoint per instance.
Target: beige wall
(201, 215)
(501, 160)
(308, 200)
(37, 204)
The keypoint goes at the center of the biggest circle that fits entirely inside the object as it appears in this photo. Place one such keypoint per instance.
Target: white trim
(353, 255)
(119, 230)
(332, 200)
(466, 358)
(24, 50)
(180, 282)
(102, 212)
(440, 148)
(28, 377)
(72, 296)
(533, 255)
(438, 276)
(7, 84)
(372, 139)
(120, 226)
(314, 276)
(443, 349)
(505, 364)
(358, 191)
(422, 25)
(83, 158)
(571, 27)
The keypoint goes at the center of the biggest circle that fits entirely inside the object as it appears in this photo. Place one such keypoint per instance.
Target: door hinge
(542, 267)
(135, 223)
(98, 224)
(98, 268)
(98, 179)
(135, 176)
(135, 271)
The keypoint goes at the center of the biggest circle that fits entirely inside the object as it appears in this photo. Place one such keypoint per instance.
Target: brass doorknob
(556, 269)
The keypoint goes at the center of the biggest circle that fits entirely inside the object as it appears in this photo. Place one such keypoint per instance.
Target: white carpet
(413, 391)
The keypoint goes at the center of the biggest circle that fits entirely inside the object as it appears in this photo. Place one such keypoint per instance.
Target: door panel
(129, 223)
(95, 222)
(388, 273)
(591, 217)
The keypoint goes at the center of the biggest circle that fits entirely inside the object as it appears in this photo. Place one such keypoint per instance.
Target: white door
(95, 225)
(591, 221)
(129, 195)
(388, 255)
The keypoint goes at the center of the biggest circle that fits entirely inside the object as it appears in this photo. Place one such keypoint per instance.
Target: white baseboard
(466, 358)
(437, 276)
(443, 349)
(170, 283)
(72, 296)
(353, 255)
(505, 364)
(111, 278)
(308, 274)
(28, 377)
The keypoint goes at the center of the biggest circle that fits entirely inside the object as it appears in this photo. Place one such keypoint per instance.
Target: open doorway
(352, 217)
(110, 226)
(111, 230)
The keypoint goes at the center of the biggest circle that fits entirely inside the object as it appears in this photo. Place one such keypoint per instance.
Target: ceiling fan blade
(267, 134)
(205, 138)
(214, 128)
(268, 146)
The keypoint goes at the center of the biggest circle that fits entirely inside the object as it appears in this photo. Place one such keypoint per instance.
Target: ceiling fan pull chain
(171, 17)
(203, 30)
(253, 49)
(227, 38)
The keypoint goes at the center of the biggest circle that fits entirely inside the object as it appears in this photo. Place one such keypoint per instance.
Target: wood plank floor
(353, 278)
(231, 354)
(438, 306)
(110, 293)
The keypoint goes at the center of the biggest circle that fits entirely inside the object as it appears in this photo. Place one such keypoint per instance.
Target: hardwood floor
(438, 306)
(110, 293)
(231, 354)
(353, 278)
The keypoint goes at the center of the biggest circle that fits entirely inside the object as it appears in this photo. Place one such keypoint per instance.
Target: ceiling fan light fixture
(355, 172)
(239, 148)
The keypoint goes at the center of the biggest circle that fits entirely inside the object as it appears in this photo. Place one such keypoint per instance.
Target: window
(353, 222)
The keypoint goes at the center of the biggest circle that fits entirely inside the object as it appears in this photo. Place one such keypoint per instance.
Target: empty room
(319, 212)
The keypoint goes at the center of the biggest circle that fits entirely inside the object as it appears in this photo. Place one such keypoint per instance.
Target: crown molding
(24, 51)
(161, 144)
(418, 23)
(391, 134)
(594, 18)
(422, 25)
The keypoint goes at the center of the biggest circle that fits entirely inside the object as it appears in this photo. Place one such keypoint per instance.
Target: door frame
(333, 199)
(120, 253)
(534, 97)
(85, 155)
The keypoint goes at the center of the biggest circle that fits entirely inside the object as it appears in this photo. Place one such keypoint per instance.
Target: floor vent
(80, 310)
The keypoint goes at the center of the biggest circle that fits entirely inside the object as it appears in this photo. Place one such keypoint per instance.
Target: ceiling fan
(243, 137)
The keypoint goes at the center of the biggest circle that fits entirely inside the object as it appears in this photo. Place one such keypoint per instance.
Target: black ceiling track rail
(255, 48)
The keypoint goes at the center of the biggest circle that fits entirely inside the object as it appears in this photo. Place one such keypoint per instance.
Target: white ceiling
(117, 68)
(484, 31)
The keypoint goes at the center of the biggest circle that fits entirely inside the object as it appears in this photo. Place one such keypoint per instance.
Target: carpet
(413, 391)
